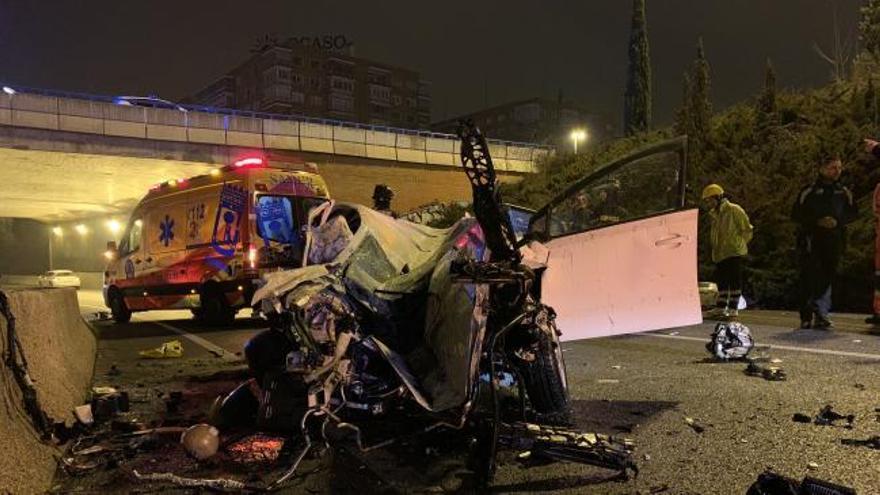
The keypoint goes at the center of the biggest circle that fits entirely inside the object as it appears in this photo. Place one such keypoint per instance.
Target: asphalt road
(639, 386)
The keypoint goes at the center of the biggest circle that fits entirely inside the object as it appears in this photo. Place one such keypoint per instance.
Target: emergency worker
(581, 213)
(382, 196)
(821, 211)
(729, 235)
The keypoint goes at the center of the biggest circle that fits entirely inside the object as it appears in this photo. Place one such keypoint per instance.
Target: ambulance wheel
(120, 312)
(215, 309)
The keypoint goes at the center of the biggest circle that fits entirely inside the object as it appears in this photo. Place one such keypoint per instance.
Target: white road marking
(831, 352)
(206, 344)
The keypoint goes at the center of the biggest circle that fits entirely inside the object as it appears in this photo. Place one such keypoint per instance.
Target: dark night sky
(472, 51)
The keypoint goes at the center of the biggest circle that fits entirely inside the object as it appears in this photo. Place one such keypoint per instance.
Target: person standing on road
(382, 196)
(871, 146)
(729, 236)
(821, 211)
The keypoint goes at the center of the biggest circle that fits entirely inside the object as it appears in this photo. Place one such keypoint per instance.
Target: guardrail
(92, 114)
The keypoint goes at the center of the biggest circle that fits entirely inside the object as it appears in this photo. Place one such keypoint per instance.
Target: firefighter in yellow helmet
(729, 235)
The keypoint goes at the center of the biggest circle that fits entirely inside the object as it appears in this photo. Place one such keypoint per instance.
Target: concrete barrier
(60, 349)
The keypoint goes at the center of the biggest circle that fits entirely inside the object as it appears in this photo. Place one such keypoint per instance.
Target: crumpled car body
(391, 279)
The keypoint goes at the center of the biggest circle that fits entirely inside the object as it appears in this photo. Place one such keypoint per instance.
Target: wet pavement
(640, 386)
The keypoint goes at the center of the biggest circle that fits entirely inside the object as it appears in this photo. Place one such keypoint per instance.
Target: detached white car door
(623, 248)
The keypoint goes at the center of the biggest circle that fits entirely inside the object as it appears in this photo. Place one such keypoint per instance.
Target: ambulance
(200, 243)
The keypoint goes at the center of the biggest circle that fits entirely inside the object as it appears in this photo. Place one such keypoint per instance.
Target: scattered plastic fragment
(257, 448)
(812, 466)
(770, 483)
(697, 427)
(103, 390)
(801, 418)
(170, 349)
(871, 442)
(201, 441)
(828, 416)
(857, 341)
(83, 414)
(770, 373)
(616, 367)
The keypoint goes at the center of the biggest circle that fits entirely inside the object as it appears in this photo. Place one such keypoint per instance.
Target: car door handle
(673, 241)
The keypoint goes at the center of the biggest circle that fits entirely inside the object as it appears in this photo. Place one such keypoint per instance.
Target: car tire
(118, 308)
(214, 310)
(546, 383)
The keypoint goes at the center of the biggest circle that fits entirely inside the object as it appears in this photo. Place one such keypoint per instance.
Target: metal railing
(280, 117)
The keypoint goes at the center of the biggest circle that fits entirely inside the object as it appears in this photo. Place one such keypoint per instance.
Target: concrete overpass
(66, 157)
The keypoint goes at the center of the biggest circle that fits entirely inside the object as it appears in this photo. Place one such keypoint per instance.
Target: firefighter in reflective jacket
(730, 234)
(821, 212)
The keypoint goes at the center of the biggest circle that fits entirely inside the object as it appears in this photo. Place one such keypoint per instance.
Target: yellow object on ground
(170, 349)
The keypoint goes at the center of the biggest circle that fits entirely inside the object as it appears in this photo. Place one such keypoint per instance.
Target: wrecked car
(385, 312)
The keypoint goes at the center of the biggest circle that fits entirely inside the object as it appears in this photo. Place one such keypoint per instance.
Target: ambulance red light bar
(249, 162)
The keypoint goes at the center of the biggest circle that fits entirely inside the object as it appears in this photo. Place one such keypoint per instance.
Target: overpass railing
(90, 114)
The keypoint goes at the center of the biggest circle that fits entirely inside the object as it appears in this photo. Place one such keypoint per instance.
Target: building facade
(536, 120)
(303, 79)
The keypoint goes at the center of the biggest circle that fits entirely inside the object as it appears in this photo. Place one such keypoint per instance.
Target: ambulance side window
(134, 236)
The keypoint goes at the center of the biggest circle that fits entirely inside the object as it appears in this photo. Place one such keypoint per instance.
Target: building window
(296, 79)
(410, 102)
(341, 104)
(297, 97)
(314, 83)
(316, 101)
(342, 84)
(381, 94)
(297, 61)
(397, 100)
(283, 74)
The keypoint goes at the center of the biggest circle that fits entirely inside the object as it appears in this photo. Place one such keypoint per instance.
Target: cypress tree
(767, 100)
(683, 114)
(637, 100)
(701, 105)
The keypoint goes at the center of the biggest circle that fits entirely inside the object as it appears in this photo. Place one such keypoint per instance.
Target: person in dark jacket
(382, 196)
(821, 211)
(873, 147)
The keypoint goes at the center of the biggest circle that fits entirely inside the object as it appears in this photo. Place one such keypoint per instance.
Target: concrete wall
(60, 349)
(24, 246)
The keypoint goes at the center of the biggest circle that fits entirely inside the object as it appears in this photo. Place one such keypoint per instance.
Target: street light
(58, 231)
(576, 136)
(81, 229)
(8, 90)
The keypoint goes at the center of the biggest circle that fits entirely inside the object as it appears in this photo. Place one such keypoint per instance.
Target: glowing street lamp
(8, 90)
(81, 229)
(576, 136)
(58, 231)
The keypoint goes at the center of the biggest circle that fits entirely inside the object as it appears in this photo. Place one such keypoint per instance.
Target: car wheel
(215, 310)
(545, 381)
(120, 311)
